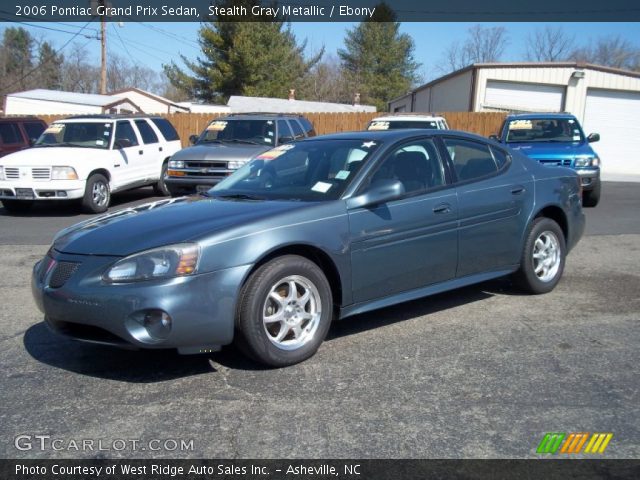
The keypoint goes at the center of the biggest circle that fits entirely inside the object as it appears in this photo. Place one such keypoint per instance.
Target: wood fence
(482, 123)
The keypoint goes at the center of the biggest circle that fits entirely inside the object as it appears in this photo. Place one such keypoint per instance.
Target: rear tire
(284, 313)
(160, 188)
(543, 257)
(592, 197)
(97, 194)
(17, 206)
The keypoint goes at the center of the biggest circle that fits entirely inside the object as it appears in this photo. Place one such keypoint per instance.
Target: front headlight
(172, 261)
(1, 173)
(176, 164)
(63, 173)
(587, 162)
(235, 164)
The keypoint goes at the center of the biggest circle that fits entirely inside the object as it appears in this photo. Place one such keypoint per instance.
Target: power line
(49, 28)
(123, 45)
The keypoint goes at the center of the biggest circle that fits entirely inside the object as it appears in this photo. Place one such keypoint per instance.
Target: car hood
(221, 151)
(49, 156)
(539, 150)
(164, 222)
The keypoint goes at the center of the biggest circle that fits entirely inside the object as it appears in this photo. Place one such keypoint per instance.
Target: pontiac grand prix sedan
(310, 232)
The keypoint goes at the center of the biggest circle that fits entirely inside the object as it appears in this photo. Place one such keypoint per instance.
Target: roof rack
(275, 114)
(112, 116)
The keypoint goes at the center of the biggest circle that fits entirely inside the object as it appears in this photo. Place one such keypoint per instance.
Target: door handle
(140, 152)
(518, 190)
(160, 148)
(442, 208)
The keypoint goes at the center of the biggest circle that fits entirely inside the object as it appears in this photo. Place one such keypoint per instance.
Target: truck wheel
(543, 255)
(592, 197)
(285, 310)
(17, 206)
(160, 188)
(97, 195)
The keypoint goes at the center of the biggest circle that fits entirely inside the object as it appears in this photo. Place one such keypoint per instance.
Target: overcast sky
(153, 44)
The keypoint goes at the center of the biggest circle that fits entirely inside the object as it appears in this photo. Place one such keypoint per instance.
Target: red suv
(17, 133)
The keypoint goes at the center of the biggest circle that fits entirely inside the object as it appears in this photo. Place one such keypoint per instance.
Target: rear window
(308, 127)
(9, 133)
(401, 124)
(167, 130)
(297, 129)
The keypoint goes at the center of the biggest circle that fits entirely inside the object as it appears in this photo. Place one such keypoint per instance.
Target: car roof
(110, 116)
(395, 135)
(539, 116)
(258, 115)
(416, 118)
(21, 119)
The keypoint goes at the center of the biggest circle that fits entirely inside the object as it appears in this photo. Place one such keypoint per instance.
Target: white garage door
(615, 115)
(527, 97)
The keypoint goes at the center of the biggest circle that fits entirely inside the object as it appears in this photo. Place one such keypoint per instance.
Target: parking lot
(481, 372)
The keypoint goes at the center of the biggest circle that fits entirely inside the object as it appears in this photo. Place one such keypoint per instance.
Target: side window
(297, 129)
(9, 133)
(284, 132)
(471, 160)
(125, 134)
(168, 132)
(308, 128)
(33, 129)
(500, 156)
(146, 132)
(416, 165)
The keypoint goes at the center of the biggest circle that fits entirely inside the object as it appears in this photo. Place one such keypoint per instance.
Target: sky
(154, 44)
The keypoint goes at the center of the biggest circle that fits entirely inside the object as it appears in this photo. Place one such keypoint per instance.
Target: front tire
(285, 311)
(543, 257)
(592, 197)
(97, 194)
(17, 206)
(160, 188)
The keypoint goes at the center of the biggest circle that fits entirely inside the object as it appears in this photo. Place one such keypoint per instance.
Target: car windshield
(76, 134)
(259, 132)
(399, 124)
(314, 170)
(544, 130)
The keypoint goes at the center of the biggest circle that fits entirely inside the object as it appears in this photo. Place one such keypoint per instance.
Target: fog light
(157, 323)
(61, 193)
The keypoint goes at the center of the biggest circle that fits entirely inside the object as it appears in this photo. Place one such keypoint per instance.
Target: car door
(128, 159)
(494, 199)
(409, 242)
(153, 154)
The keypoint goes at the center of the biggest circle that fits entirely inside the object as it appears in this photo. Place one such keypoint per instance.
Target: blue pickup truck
(556, 139)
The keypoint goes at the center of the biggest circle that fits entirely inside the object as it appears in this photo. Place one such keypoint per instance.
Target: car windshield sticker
(275, 152)
(576, 138)
(268, 140)
(520, 125)
(368, 144)
(342, 174)
(379, 126)
(55, 128)
(321, 187)
(270, 122)
(216, 126)
(106, 133)
(99, 142)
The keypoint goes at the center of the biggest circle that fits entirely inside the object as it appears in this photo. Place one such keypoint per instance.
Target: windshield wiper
(241, 140)
(239, 196)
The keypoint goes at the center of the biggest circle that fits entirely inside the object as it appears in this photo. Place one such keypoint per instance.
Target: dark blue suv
(556, 139)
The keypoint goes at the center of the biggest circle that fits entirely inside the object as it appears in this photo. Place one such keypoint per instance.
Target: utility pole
(103, 46)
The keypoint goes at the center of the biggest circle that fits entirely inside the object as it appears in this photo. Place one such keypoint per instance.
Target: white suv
(407, 120)
(87, 158)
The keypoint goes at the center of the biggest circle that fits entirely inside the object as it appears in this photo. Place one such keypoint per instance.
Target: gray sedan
(308, 233)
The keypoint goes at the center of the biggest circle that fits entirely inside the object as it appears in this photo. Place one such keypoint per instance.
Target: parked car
(408, 120)
(87, 158)
(226, 144)
(18, 133)
(321, 229)
(556, 139)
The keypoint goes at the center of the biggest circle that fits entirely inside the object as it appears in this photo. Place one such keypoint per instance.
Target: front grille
(11, 173)
(557, 162)
(62, 272)
(191, 164)
(85, 332)
(41, 173)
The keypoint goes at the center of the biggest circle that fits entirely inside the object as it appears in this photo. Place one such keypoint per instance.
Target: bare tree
(611, 51)
(482, 45)
(78, 75)
(550, 44)
(327, 82)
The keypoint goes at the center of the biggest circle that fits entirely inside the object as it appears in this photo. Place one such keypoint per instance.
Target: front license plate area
(203, 188)
(25, 194)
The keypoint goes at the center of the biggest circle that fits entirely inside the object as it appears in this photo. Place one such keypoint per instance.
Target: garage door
(615, 115)
(527, 97)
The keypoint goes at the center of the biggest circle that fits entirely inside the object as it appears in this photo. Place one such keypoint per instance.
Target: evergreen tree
(16, 58)
(243, 58)
(49, 67)
(378, 59)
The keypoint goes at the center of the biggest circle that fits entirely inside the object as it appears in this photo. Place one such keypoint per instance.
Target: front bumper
(191, 184)
(201, 307)
(589, 177)
(49, 190)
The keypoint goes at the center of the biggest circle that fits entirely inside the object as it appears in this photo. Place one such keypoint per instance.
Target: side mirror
(121, 143)
(193, 139)
(383, 191)
(494, 137)
(282, 140)
(32, 141)
(593, 137)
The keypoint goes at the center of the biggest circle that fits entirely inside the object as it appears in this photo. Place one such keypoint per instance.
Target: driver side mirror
(32, 141)
(383, 191)
(193, 139)
(593, 137)
(494, 137)
(282, 140)
(121, 143)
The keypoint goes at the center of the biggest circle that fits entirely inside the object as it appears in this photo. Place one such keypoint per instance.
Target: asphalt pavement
(480, 372)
